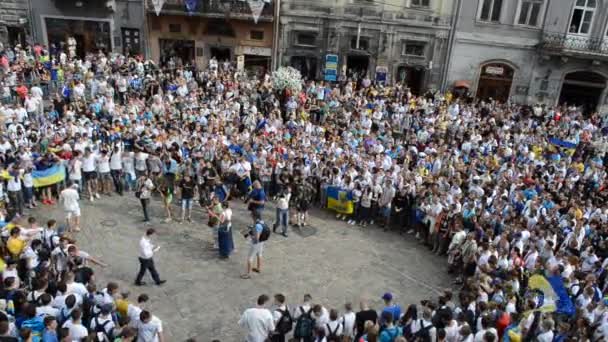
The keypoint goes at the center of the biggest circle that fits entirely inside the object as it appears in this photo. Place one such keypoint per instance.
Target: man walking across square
(146, 260)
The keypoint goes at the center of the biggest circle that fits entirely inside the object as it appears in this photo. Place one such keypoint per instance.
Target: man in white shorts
(256, 247)
(69, 197)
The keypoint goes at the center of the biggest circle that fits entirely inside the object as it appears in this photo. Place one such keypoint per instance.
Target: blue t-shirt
(258, 195)
(258, 227)
(393, 309)
(49, 336)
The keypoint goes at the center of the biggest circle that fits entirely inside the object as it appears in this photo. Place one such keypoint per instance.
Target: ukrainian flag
(340, 200)
(552, 294)
(50, 176)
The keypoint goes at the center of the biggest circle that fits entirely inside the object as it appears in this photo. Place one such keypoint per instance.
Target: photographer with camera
(257, 235)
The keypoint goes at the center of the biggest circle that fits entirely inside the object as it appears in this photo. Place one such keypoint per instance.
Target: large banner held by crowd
(50, 176)
(340, 200)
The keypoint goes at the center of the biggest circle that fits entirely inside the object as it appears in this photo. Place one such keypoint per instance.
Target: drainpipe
(276, 27)
(33, 35)
(451, 39)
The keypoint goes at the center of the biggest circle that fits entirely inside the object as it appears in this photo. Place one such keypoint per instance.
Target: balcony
(234, 9)
(374, 12)
(568, 44)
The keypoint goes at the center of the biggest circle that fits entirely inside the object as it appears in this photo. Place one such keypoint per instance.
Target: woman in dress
(225, 240)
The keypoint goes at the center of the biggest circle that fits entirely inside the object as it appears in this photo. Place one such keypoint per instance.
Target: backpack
(139, 187)
(333, 336)
(392, 336)
(423, 334)
(101, 329)
(285, 323)
(265, 234)
(305, 325)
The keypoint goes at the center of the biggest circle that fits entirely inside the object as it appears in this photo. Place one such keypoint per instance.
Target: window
(582, 17)
(413, 48)
(309, 39)
(256, 35)
(420, 3)
(363, 43)
(175, 28)
(490, 10)
(529, 12)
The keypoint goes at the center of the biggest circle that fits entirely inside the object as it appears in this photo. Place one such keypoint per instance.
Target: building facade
(224, 29)
(532, 51)
(15, 25)
(391, 40)
(107, 25)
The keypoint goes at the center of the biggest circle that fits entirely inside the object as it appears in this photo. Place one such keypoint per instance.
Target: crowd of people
(505, 191)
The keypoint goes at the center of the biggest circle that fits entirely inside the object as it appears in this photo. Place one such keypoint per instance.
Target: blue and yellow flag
(50, 176)
(340, 200)
(552, 294)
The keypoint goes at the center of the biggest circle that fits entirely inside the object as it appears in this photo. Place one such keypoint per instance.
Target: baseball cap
(387, 296)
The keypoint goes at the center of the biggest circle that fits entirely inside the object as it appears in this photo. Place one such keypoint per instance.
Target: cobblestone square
(204, 296)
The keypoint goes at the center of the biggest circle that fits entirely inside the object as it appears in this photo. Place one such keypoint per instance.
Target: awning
(462, 84)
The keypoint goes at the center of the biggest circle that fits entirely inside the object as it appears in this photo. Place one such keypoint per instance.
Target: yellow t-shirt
(578, 213)
(122, 306)
(15, 246)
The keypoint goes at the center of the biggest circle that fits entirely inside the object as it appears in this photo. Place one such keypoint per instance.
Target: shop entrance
(180, 51)
(306, 65)
(412, 76)
(582, 89)
(357, 65)
(90, 35)
(221, 54)
(495, 81)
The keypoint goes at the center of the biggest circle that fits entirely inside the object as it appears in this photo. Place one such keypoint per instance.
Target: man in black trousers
(146, 260)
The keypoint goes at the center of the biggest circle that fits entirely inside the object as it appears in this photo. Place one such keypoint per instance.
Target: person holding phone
(146, 260)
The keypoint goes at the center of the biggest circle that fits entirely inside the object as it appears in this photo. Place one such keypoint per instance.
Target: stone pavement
(204, 296)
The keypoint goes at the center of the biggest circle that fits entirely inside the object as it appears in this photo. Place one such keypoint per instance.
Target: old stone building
(224, 29)
(532, 51)
(15, 26)
(391, 40)
(107, 25)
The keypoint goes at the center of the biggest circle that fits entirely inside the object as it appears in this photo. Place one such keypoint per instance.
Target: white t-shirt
(77, 331)
(148, 332)
(75, 171)
(103, 164)
(258, 322)
(88, 163)
(116, 161)
(140, 161)
(70, 198)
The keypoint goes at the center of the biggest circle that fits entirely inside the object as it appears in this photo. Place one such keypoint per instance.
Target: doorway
(220, 53)
(495, 80)
(412, 76)
(356, 66)
(307, 66)
(131, 41)
(180, 51)
(582, 89)
(16, 35)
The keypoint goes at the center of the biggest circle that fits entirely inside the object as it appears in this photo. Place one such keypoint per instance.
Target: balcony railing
(371, 12)
(568, 43)
(216, 8)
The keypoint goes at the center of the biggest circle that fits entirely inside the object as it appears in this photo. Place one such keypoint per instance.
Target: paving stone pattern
(204, 296)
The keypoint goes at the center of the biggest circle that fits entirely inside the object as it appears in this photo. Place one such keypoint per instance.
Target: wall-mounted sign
(492, 70)
(331, 67)
(240, 62)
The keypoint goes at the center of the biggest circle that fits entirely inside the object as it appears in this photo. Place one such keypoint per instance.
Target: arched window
(582, 17)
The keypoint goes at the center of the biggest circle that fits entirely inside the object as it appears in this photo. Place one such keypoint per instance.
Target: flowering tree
(287, 78)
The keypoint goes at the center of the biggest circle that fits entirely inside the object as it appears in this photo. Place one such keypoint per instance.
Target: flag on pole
(256, 6)
(191, 5)
(158, 6)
